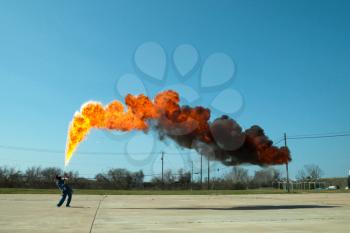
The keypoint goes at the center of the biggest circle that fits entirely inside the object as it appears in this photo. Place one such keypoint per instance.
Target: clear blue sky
(292, 63)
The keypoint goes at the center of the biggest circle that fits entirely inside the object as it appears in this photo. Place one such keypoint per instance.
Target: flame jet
(222, 140)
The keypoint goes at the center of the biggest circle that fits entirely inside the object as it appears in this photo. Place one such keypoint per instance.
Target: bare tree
(238, 175)
(120, 178)
(310, 172)
(10, 177)
(156, 181)
(36, 177)
(276, 174)
(73, 175)
(102, 180)
(169, 177)
(32, 176)
(184, 177)
(301, 175)
(3, 175)
(49, 174)
(137, 179)
(313, 171)
(265, 177)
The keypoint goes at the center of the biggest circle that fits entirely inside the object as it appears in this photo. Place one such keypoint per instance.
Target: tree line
(117, 178)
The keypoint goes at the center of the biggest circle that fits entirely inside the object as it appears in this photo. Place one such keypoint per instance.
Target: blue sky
(291, 67)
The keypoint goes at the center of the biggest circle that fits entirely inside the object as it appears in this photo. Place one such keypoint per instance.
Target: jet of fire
(113, 117)
(189, 127)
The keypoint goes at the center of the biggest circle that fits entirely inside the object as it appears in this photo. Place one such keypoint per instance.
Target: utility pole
(287, 170)
(201, 170)
(191, 175)
(162, 168)
(208, 173)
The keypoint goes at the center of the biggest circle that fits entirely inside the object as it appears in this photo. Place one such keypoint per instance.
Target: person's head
(58, 177)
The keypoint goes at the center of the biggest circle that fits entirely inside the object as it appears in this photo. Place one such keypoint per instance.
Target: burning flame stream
(222, 139)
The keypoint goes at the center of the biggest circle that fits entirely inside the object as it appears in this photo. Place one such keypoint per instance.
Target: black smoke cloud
(224, 140)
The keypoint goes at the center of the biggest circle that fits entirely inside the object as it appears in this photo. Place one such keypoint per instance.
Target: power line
(19, 148)
(320, 136)
(315, 136)
(279, 141)
(50, 151)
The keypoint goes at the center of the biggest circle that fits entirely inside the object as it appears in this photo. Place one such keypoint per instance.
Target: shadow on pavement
(248, 207)
(79, 207)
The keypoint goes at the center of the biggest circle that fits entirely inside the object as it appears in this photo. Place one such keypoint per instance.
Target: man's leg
(63, 198)
(69, 199)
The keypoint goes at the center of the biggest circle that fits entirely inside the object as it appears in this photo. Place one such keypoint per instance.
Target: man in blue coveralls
(66, 190)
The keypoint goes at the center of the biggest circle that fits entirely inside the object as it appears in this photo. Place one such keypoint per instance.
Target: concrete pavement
(226, 213)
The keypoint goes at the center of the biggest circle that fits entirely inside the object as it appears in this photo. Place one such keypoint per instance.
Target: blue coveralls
(66, 190)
